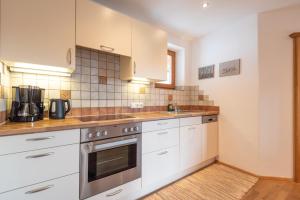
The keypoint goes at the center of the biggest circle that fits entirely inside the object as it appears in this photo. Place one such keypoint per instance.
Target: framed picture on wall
(206, 72)
(230, 68)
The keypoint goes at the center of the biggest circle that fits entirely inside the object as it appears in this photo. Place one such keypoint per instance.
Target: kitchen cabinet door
(149, 51)
(149, 54)
(157, 140)
(64, 188)
(190, 146)
(158, 165)
(99, 27)
(31, 167)
(38, 32)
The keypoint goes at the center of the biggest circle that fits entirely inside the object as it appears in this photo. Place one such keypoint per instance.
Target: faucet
(176, 108)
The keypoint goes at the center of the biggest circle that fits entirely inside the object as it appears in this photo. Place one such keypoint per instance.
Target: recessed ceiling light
(205, 5)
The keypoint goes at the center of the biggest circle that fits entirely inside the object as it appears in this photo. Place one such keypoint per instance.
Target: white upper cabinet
(38, 32)
(98, 27)
(149, 53)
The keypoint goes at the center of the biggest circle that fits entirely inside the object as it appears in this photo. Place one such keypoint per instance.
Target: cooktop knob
(131, 129)
(104, 133)
(90, 135)
(125, 130)
(98, 134)
(136, 128)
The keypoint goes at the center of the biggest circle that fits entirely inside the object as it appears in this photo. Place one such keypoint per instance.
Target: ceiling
(188, 18)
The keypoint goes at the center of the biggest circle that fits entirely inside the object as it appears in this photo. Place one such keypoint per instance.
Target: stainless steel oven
(110, 156)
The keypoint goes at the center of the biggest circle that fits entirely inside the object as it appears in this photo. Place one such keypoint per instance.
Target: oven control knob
(90, 135)
(131, 129)
(104, 133)
(98, 134)
(136, 128)
(125, 130)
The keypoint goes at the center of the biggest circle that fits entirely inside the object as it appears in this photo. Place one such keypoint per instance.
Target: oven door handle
(99, 147)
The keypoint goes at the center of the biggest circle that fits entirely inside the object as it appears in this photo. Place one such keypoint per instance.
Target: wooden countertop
(18, 128)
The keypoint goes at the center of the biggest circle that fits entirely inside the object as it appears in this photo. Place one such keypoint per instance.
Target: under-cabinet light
(138, 80)
(37, 71)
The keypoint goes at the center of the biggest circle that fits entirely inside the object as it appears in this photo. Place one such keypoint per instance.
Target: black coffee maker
(27, 104)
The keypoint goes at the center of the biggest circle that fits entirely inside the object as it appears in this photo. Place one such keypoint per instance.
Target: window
(170, 82)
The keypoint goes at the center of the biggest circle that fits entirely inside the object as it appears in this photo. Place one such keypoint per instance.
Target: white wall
(276, 90)
(237, 96)
(256, 128)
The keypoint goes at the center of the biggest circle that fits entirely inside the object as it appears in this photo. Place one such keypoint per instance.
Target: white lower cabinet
(156, 140)
(190, 146)
(64, 188)
(159, 165)
(27, 168)
(122, 192)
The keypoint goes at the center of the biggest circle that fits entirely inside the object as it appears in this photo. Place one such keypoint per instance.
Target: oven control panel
(105, 132)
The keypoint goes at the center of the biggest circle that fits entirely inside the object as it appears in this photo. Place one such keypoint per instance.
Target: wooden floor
(262, 190)
(215, 182)
(274, 190)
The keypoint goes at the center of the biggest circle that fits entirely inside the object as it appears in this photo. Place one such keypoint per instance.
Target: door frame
(296, 99)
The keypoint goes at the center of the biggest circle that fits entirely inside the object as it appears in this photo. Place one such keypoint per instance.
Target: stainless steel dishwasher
(210, 137)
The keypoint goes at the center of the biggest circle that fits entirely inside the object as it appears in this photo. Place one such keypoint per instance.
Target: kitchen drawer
(160, 125)
(120, 192)
(157, 140)
(27, 168)
(188, 121)
(159, 165)
(28, 142)
(64, 188)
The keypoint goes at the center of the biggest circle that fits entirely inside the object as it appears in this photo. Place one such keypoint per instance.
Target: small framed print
(230, 68)
(206, 72)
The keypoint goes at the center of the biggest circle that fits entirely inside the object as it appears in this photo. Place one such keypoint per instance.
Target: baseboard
(276, 178)
(258, 176)
(239, 169)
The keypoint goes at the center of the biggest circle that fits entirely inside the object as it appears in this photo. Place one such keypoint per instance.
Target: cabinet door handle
(40, 155)
(162, 133)
(162, 123)
(40, 138)
(39, 189)
(69, 56)
(106, 48)
(162, 153)
(134, 67)
(114, 193)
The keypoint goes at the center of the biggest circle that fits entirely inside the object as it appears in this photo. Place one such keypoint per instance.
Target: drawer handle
(162, 133)
(40, 138)
(192, 128)
(39, 189)
(114, 193)
(40, 155)
(106, 48)
(162, 153)
(162, 123)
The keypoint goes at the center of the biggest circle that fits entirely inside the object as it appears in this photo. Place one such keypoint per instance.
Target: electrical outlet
(137, 105)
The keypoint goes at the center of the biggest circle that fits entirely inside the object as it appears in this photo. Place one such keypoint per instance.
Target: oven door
(106, 164)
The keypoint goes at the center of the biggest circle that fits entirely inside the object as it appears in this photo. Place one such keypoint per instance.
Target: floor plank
(274, 190)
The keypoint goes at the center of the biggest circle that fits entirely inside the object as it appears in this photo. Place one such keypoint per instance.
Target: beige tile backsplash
(96, 83)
